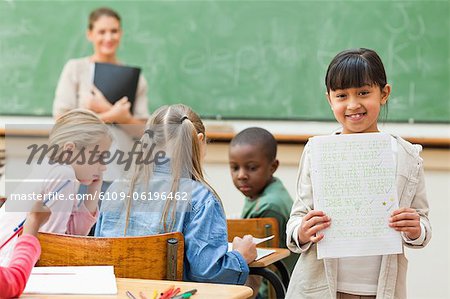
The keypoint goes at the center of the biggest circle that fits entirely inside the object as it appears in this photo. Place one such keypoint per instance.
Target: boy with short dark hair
(252, 158)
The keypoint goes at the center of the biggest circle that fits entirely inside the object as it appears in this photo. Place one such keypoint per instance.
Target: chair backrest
(146, 257)
(257, 227)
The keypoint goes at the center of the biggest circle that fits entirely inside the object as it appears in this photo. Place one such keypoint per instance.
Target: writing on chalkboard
(248, 59)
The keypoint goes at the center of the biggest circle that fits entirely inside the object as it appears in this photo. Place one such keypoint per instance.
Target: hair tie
(150, 133)
(183, 118)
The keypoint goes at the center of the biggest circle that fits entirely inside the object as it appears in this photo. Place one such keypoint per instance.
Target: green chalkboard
(235, 59)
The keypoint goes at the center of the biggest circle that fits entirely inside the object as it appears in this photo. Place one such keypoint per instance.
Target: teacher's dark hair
(100, 12)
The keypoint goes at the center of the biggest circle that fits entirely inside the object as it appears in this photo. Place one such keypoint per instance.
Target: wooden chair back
(146, 257)
(257, 227)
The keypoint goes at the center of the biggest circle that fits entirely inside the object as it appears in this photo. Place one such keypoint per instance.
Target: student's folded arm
(81, 221)
(302, 204)
(206, 247)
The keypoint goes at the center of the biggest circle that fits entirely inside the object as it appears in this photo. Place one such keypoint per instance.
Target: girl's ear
(201, 137)
(329, 100)
(385, 92)
(69, 146)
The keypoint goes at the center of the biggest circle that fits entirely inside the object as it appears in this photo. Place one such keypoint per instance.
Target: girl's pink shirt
(13, 278)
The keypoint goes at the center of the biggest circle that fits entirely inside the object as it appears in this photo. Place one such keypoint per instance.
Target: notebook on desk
(90, 280)
(117, 81)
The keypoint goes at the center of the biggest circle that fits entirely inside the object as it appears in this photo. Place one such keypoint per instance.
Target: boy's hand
(406, 220)
(245, 247)
(38, 215)
(312, 223)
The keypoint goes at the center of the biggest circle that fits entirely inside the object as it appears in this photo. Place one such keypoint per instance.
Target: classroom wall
(428, 274)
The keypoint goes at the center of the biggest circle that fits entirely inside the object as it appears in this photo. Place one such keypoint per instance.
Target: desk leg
(268, 274)
(285, 276)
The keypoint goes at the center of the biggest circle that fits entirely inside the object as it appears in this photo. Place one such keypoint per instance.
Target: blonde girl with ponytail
(167, 192)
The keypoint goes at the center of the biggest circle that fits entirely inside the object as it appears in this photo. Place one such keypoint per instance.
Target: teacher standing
(76, 89)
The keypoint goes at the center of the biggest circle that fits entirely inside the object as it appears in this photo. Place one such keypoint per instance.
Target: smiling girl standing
(356, 90)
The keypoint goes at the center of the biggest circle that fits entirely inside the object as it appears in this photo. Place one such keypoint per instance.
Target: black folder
(116, 81)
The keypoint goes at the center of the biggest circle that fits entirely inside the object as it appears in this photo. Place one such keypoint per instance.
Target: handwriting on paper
(353, 179)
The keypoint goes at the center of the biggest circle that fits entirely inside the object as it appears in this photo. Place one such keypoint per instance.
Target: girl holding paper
(356, 91)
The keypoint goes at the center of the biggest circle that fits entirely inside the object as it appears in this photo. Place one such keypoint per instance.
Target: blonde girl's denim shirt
(200, 218)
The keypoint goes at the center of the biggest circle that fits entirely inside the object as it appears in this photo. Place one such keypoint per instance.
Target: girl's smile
(356, 116)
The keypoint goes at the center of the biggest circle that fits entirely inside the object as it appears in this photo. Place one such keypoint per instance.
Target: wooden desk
(260, 267)
(278, 255)
(204, 290)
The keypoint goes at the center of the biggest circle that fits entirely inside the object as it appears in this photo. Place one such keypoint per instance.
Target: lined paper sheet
(260, 252)
(353, 178)
(90, 280)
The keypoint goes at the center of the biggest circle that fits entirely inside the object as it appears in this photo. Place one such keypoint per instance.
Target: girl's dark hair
(355, 68)
(100, 12)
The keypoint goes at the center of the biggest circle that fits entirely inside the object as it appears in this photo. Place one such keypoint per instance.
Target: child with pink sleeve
(26, 252)
(76, 131)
